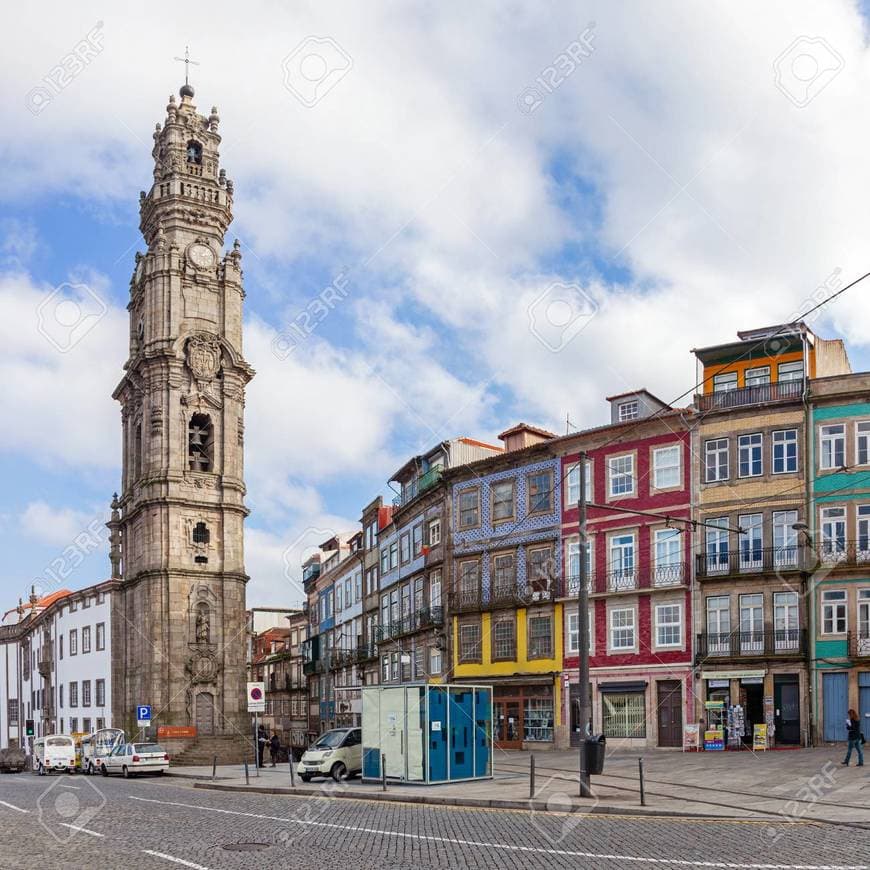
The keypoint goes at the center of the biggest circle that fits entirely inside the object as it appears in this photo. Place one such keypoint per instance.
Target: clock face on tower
(201, 256)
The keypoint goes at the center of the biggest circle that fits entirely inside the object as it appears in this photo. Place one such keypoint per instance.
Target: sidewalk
(807, 784)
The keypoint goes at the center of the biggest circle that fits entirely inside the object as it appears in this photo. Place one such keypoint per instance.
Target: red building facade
(640, 570)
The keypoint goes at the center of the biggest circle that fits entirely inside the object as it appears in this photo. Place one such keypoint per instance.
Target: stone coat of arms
(204, 356)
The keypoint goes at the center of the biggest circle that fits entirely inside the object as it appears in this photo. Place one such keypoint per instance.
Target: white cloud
(60, 527)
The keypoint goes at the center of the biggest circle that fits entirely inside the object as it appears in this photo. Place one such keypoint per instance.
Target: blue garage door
(835, 697)
(864, 701)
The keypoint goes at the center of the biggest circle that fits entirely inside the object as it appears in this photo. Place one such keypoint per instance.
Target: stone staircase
(229, 749)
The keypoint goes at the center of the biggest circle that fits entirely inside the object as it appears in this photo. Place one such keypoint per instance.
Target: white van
(96, 746)
(54, 752)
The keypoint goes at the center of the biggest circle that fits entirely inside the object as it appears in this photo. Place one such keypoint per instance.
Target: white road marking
(13, 807)
(174, 859)
(83, 830)
(510, 847)
(65, 785)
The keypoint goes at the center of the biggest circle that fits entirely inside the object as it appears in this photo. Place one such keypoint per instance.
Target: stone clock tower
(177, 527)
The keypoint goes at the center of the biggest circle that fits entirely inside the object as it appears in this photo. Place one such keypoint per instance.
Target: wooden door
(670, 713)
(204, 713)
(508, 724)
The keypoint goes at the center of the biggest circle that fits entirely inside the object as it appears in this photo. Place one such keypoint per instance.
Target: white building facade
(55, 665)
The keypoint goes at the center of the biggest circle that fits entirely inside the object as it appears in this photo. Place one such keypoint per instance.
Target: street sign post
(143, 715)
(256, 705)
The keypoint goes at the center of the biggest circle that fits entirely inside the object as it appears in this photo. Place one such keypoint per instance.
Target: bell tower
(177, 526)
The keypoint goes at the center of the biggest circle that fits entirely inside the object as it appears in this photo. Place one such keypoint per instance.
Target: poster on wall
(691, 736)
(759, 736)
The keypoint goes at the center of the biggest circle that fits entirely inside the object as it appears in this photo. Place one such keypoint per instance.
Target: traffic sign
(256, 697)
(143, 715)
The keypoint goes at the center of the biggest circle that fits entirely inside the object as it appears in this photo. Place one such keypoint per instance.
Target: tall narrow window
(194, 153)
(201, 534)
(199, 443)
(832, 446)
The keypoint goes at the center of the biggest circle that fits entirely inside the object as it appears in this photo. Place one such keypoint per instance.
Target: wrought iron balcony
(751, 560)
(424, 618)
(839, 553)
(768, 643)
(504, 595)
(778, 391)
(623, 580)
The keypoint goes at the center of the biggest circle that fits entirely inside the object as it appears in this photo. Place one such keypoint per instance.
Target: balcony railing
(425, 481)
(417, 621)
(758, 395)
(750, 560)
(504, 596)
(626, 579)
(833, 554)
(752, 644)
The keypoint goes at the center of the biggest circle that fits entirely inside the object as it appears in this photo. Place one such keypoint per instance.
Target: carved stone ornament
(204, 356)
(203, 667)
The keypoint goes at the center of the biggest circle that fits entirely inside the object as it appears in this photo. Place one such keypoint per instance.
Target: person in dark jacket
(274, 746)
(853, 726)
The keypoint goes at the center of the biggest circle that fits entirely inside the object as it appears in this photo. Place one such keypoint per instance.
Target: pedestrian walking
(274, 746)
(262, 740)
(856, 738)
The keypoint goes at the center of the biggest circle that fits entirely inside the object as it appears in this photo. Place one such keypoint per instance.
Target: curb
(486, 803)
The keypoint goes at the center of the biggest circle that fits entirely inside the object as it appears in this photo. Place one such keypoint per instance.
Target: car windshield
(330, 740)
(147, 747)
(57, 741)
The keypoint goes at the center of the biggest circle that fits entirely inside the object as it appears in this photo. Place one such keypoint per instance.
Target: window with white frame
(434, 532)
(620, 474)
(504, 571)
(622, 628)
(862, 442)
(716, 460)
(434, 661)
(862, 516)
(572, 561)
(339, 598)
(572, 483)
(832, 542)
(834, 611)
(750, 541)
(784, 537)
(73, 641)
(628, 410)
(385, 559)
(668, 544)
(435, 589)
(716, 535)
(573, 640)
(666, 467)
(622, 561)
(86, 639)
(749, 455)
(832, 446)
(405, 548)
(540, 630)
(669, 625)
(785, 620)
(785, 451)
(394, 555)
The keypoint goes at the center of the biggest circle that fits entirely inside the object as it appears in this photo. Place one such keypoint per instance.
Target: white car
(131, 759)
(54, 752)
(337, 753)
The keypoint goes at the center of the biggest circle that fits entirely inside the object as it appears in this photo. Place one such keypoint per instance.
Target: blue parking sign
(143, 713)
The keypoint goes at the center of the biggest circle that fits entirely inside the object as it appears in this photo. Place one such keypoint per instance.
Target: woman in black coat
(853, 725)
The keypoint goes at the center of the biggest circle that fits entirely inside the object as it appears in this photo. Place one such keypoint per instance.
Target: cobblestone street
(79, 822)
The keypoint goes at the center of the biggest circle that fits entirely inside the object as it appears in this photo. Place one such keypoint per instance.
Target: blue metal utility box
(427, 733)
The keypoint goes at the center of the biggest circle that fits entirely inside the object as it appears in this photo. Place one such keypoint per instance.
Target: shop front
(524, 714)
(744, 704)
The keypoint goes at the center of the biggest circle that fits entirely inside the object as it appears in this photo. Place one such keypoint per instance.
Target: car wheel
(125, 771)
(305, 777)
(339, 771)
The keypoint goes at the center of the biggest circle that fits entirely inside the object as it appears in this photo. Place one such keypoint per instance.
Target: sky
(453, 217)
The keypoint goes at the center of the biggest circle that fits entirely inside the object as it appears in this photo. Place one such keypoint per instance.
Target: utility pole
(585, 711)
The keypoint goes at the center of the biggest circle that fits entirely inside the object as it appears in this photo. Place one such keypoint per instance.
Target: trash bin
(594, 748)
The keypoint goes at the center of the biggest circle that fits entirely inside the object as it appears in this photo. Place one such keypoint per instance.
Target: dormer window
(628, 410)
(194, 153)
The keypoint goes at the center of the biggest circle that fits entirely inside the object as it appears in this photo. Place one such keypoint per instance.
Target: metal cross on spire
(187, 62)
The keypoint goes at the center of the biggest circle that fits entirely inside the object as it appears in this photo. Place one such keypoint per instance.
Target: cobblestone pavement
(82, 822)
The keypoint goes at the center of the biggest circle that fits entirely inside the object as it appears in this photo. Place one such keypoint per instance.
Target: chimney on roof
(523, 435)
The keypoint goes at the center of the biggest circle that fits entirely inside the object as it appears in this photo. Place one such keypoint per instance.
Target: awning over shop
(731, 675)
(626, 687)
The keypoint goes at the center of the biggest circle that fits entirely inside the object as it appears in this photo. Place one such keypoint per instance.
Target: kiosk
(427, 733)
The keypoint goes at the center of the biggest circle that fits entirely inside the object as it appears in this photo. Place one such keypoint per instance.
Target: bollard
(290, 762)
(531, 776)
(640, 774)
(247, 779)
(383, 772)
(214, 769)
